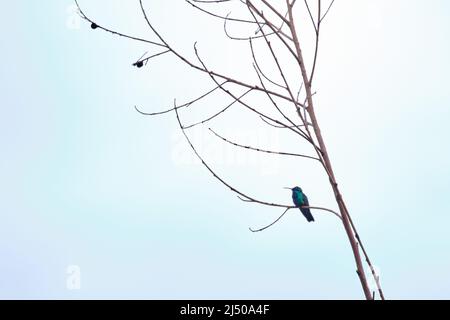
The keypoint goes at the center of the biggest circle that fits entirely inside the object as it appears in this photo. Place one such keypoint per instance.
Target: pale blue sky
(86, 181)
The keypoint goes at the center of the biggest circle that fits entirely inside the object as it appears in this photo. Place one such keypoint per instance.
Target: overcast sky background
(86, 181)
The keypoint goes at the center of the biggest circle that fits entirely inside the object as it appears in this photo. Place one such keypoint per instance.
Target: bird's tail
(307, 213)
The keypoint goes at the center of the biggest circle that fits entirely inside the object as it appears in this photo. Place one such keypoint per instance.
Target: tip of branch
(137, 109)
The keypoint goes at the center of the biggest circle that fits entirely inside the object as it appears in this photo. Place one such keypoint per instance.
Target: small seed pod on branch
(138, 64)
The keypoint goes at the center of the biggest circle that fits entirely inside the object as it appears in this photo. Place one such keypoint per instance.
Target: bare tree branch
(303, 207)
(262, 150)
(185, 105)
(208, 167)
(220, 112)
(268, 226)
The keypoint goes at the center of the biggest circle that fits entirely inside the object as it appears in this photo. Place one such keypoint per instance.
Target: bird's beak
(287, 188)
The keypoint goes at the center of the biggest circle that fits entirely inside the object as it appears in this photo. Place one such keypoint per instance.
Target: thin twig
(303, 207)
(262, 150)
(219, 112)
(268, 226)
(185, 105)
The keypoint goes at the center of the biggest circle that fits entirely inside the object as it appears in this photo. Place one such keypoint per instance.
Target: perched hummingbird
(300, 199)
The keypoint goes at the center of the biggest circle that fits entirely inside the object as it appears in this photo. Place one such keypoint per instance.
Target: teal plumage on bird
(301, 200)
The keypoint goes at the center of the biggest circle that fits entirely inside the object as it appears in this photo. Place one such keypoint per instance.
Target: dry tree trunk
(327, 162)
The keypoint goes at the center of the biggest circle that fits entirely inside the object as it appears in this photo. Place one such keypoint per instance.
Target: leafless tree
(276, 29)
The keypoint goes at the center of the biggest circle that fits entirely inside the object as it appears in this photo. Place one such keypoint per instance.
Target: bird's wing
(305, 200)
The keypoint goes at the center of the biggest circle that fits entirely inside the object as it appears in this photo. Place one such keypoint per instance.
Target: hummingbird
(300, 199)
